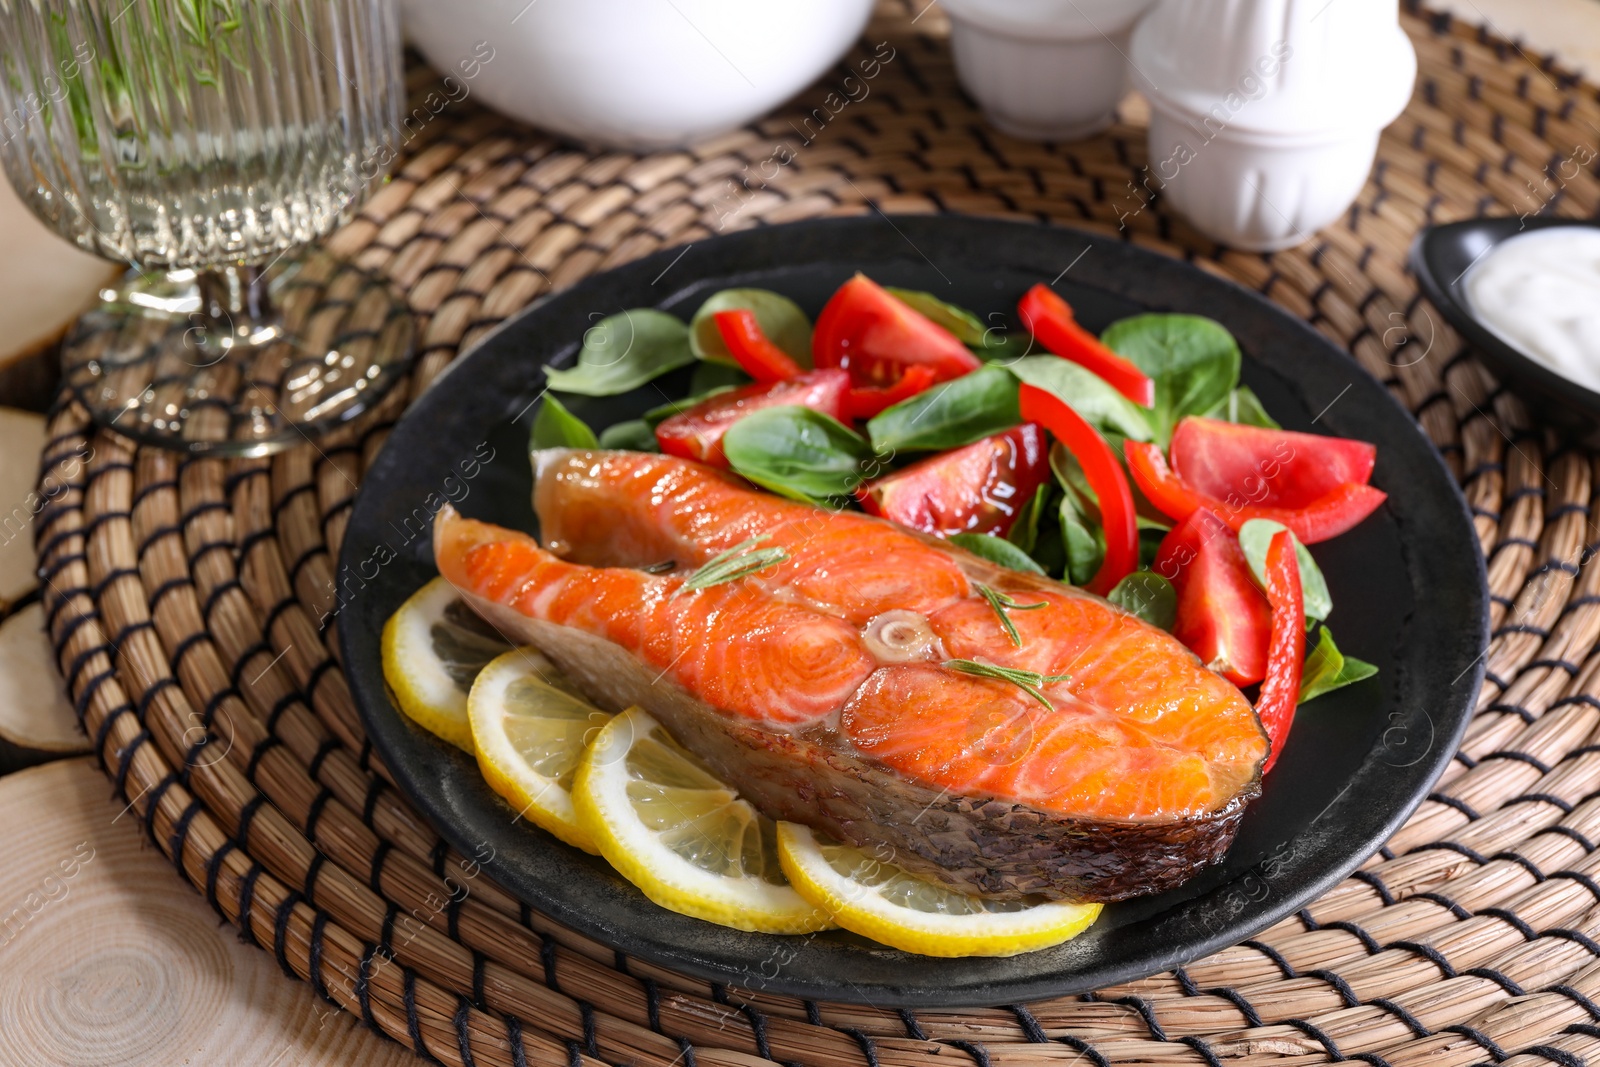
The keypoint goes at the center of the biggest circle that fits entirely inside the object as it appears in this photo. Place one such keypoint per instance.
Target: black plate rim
(395, 741)
(1433, 244)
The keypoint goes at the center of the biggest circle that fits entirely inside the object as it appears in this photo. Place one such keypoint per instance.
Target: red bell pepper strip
(1106, 478)
(1280, 690)
(1049, 318)
(864, 403)
(760, 358)
(1222, 615)
(1328, 516)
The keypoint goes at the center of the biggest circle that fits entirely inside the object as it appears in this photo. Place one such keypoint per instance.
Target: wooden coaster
(45, 282)
(104, 964)
(36, 718)
(22, 500)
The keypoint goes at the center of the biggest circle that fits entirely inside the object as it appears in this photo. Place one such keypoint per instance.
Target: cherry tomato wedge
(865, 403)
(1280, 691)
(696, 433)
(980, 488)
(760, 358)
(1049, 318)
(1222, 616)
(1271, 468)
(876, 336)
(1326, 517)
(1100, 466)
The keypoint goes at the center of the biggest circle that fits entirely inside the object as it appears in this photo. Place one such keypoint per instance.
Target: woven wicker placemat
(184, 599)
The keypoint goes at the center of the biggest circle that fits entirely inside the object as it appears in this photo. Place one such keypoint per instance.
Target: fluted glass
(209, 144)
(187, 133)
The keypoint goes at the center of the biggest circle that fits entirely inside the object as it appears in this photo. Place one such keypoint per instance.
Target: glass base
(239, 361)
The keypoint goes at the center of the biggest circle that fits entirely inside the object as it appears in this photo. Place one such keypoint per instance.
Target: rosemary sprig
(1002, 603)
(1030, 682)
(740, 561)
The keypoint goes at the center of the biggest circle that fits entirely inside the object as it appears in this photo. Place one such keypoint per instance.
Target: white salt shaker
(1045, 70)
(1265, 114)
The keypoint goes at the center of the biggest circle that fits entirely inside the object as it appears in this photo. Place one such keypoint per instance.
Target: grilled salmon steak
(833, 686)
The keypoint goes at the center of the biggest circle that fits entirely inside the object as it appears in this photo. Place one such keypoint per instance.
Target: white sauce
(1540, 292)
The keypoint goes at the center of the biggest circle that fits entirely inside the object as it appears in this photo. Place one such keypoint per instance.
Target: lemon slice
(433, 648)
(880, 901)
(666, 823)
(530, 735)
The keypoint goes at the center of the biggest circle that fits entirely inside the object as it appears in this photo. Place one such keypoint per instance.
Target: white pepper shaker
(1265, 114)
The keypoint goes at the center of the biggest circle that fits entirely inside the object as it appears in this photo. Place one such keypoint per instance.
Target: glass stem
(234, 294)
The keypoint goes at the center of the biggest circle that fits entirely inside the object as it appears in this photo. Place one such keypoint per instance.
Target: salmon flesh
(818, 686)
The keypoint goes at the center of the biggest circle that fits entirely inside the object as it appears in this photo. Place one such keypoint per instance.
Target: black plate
(1442, 256)
(1408, 584)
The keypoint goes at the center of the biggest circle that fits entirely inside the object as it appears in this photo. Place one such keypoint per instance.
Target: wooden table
(106, 957)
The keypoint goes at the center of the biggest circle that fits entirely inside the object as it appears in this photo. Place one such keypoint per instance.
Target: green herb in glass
(1030, 682)
(740, 561)
(1003, 603)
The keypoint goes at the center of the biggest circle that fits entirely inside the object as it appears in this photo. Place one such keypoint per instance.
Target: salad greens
(1327, 669)
(781, 320)
(990, 343)
(1025, 530)
(967, 327)
(709, 377)
(1193, 363)
(1149, 596)
(1101, 406)
(624, 351)
(798, 453)
(1082, 539)
(996, 550)
(556, 427)
(635, 435)
(1256, 535)
(955, 413)
(1243, 406)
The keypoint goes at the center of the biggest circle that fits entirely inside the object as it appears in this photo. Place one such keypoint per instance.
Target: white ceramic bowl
(631, 74)
(1045, 70)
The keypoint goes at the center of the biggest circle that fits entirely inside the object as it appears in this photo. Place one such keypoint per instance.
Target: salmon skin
(819, 685)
